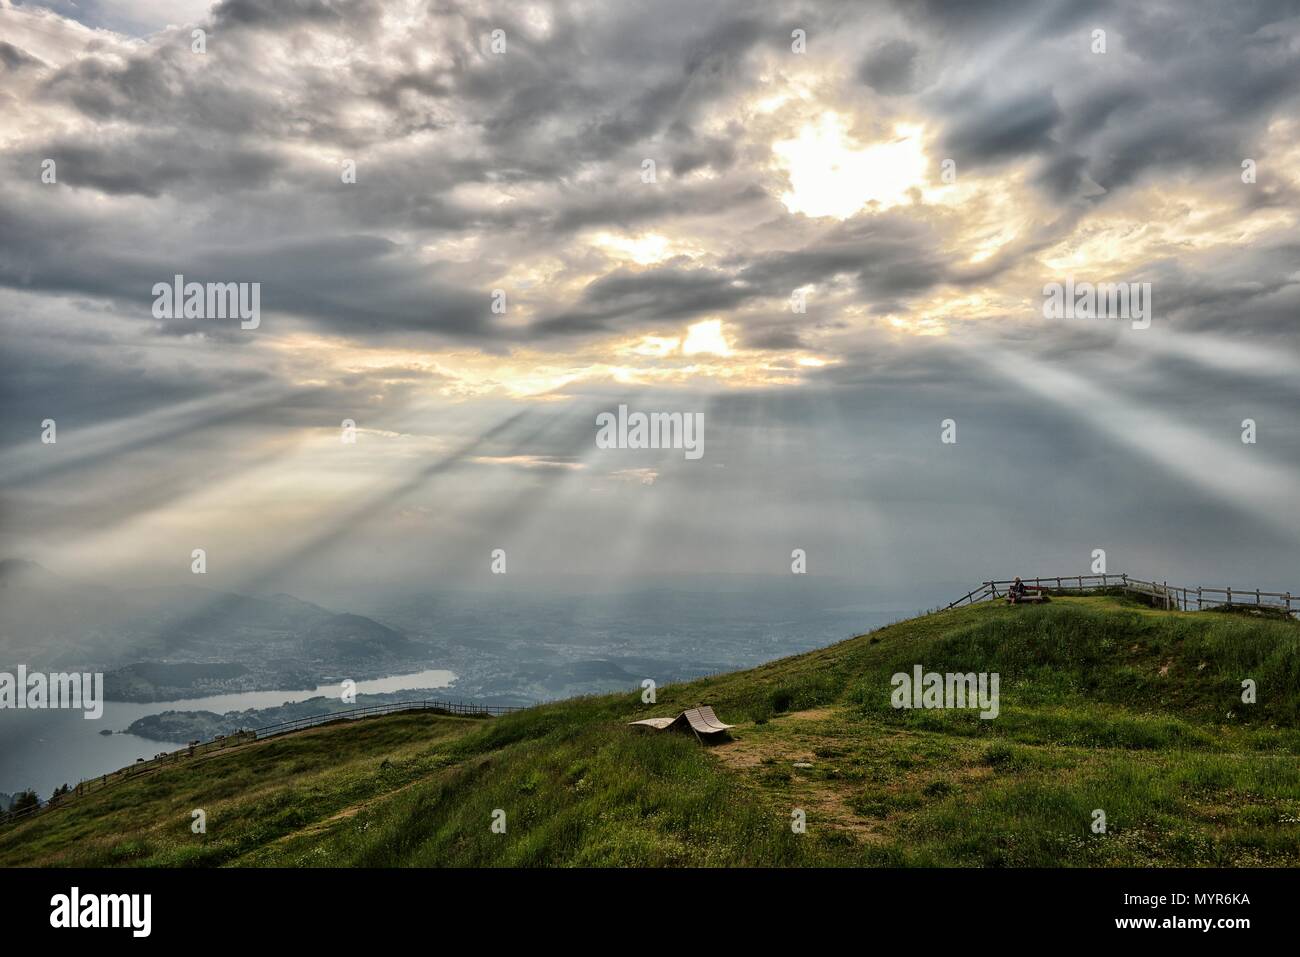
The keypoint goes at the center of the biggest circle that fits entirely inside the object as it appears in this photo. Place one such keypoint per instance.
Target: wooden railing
(998, 589)
(221, 742)
(1174, 597)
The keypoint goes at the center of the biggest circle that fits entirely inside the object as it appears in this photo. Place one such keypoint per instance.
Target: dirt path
(826, 801)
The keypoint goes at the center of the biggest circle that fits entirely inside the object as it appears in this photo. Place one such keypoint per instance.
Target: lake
(43, 749)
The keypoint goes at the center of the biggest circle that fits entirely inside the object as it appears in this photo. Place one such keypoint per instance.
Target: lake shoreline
(42, 750)
(205, 725)
(256, 686)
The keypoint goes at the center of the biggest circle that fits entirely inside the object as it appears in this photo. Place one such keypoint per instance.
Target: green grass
(1105, 705)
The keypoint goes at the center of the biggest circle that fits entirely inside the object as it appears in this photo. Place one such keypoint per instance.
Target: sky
(825, 227)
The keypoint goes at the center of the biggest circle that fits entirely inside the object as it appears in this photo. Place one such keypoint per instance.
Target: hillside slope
(1104, 705)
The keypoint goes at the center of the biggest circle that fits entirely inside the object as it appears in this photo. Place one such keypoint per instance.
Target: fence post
(1198, 597)
(1256, 596)
(1229, 594)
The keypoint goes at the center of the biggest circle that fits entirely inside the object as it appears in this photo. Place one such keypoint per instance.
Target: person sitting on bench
(1016, 591)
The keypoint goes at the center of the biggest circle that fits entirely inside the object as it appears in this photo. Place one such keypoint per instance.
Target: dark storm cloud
(358, 285)
(352, 285)
(886, 257)
(658, 294)
(279, 13)
(1179, 87)
(706, 153)
(1251, 293)
(778, 337)
(890, 67)
(543, 94)
(888, 254)
(153, 164)
(959, 19)
(16, 59)
(140, 89)
(1002, 127)
(647, 205)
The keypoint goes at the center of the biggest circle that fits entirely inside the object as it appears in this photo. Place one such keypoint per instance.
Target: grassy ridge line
(1105, 704)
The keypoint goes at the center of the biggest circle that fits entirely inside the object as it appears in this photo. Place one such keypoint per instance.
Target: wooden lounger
(704, 721)
(701, 720)
(1031, 594)
(659, 724)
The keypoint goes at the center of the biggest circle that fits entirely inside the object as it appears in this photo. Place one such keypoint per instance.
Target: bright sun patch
(643, 249)
(706, 338)
(831, 176)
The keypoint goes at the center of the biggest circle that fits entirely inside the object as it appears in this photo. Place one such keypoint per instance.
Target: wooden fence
(1173, 597)
(221, 742)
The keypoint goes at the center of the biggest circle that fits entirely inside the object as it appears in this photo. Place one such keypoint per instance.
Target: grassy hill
(1105, 704)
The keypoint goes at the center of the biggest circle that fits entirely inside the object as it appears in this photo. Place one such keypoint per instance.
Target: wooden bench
(1033, 595)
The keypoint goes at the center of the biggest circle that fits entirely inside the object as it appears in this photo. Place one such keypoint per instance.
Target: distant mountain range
(512, 645)
(159, 643)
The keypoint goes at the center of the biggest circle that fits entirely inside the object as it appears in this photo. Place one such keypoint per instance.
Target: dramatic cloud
(473, 226)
